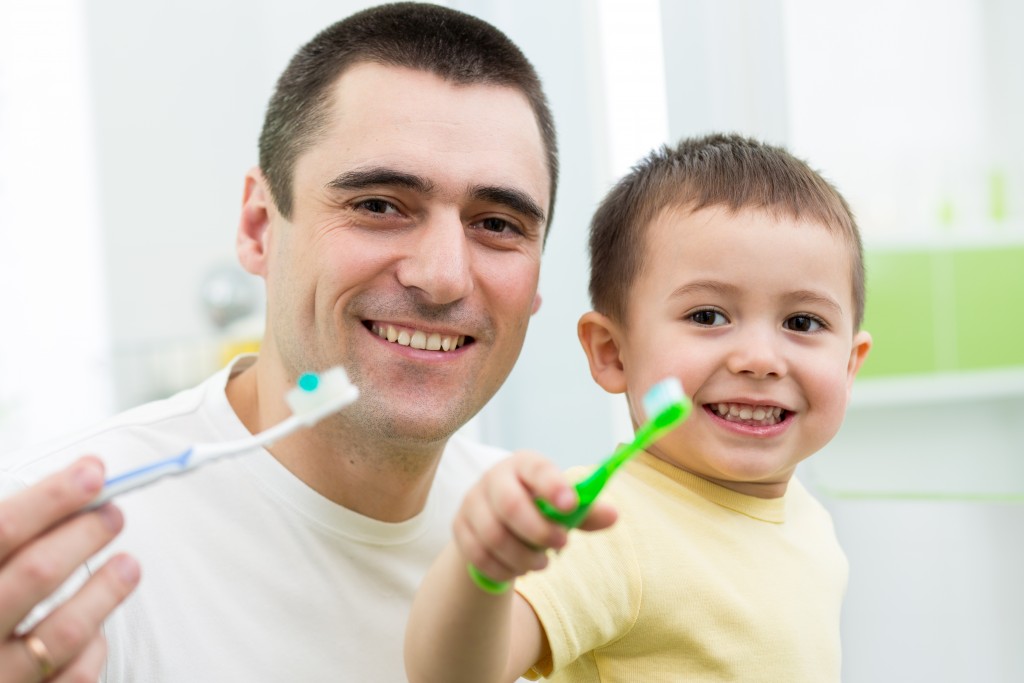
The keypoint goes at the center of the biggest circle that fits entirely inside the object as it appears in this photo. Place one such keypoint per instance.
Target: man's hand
(42, 542)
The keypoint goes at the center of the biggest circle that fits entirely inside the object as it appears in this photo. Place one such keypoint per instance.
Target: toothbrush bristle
(317, 395)
(664, 394)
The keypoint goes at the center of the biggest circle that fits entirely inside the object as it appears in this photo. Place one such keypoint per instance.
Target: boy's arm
(458, 632)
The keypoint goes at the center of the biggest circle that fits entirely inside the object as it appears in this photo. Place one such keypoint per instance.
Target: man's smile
(418, 339)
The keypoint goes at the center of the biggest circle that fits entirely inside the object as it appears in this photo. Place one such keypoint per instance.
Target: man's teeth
(742, 412)
(419, 340)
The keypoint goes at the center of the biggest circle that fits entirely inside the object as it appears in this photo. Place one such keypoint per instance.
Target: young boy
(736, 268)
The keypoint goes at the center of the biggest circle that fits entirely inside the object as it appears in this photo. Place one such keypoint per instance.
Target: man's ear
(600, 336)
(252, 240)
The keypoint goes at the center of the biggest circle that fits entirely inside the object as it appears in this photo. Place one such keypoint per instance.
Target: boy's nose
(437, 264)
(757, 353)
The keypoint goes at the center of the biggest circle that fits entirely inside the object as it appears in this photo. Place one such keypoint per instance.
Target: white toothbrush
(314, 397)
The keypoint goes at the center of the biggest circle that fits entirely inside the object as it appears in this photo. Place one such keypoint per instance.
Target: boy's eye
(708, 317)
(803, 323)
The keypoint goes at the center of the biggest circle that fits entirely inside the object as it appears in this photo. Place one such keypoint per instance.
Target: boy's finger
(513, 506)
(601, 516)
(543, 479)
(29, 513)
(503, 562)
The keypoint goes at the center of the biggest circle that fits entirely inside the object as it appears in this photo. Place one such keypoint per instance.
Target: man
(407, 173)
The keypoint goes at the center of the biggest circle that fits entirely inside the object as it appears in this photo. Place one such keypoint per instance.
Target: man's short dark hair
(455, 46)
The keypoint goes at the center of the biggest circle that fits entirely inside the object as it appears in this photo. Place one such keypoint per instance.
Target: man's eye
(708, 317)
(498, 225)
(377, 206)
(803, 323)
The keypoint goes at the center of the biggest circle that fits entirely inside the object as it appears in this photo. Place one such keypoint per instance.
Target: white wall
(175, 100)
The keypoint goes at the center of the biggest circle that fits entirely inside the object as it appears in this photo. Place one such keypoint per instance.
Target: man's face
(413, 252)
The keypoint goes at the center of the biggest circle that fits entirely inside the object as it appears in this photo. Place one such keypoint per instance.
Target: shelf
(938, 388)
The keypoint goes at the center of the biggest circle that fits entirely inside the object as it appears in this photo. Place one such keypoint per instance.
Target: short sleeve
(588, 596)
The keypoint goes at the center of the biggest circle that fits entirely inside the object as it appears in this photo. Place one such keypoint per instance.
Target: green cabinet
(944, 309)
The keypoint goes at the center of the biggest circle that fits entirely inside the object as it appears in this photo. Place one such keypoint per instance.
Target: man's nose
(438, 264)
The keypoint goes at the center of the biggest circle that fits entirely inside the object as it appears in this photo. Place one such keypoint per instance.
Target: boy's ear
(861, 345)
(252, 240)
(600, 337)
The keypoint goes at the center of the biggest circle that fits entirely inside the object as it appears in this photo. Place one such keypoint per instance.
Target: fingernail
(112, 517)
(566, 501)
(126, 568)
(88, 477)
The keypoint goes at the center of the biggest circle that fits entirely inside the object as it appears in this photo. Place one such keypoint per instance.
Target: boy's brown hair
(714, 170)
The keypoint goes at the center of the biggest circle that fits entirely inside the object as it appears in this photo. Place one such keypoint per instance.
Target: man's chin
(410, 425)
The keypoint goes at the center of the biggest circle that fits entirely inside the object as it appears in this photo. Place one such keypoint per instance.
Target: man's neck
(373, 478)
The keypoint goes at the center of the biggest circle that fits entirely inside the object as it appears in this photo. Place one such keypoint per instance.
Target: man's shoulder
(122, 441)
(467, 458)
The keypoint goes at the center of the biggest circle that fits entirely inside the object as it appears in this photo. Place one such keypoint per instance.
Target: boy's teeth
(418, 339)
(741, 412)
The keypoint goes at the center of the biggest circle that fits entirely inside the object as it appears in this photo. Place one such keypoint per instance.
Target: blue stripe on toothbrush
(181, 461)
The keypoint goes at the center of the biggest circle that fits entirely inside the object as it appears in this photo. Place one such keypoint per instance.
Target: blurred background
(126, 128)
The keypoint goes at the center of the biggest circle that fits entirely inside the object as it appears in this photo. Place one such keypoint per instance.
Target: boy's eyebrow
(803, 296)
(380, 175)
(812, 297)
(702, 286)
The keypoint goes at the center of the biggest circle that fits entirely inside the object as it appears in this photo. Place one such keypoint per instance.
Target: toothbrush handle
(486, 583)
(571, 519)
(141, 476)
(588, 489)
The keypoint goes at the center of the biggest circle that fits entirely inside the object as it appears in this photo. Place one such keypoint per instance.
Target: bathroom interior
(126, 129)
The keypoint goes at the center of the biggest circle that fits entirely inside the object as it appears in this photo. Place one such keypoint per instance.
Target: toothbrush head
(318, 395)
(666, 405)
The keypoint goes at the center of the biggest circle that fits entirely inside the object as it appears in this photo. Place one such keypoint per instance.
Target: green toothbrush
(666, 407)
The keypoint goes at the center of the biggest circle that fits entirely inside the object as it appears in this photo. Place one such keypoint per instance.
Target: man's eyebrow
(380, 176)
(514, 199)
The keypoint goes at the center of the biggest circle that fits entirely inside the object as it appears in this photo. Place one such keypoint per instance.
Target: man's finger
(70, 630)
(41, 566)
(28, 513)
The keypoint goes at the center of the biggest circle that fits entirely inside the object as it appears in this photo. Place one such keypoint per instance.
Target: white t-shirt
(247, 573)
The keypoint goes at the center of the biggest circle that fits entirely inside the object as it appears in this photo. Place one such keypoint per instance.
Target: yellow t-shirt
(695, 582)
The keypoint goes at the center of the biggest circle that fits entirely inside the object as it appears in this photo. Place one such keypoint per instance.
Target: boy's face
(755, 316)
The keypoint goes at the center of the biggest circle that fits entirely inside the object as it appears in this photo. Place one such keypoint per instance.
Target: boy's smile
(754, 314)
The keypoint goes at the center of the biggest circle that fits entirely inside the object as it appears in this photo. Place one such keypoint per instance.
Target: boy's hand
(499, 528)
